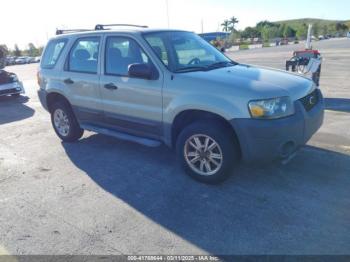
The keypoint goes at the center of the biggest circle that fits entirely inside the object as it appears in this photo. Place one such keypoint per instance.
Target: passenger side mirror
(142, 70)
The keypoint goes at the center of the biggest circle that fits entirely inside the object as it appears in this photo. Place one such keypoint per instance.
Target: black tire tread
(75, 132)
(223, 135)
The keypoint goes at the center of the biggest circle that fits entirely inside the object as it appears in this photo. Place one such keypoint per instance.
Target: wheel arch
(53, 97)
(186, 117)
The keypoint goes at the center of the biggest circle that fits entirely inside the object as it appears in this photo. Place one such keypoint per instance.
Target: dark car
(9, 84)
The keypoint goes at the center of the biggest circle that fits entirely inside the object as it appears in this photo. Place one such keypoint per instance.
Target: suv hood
(257, 82)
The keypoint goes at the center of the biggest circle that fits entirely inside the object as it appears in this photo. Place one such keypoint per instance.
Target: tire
(227, 147)
(63, 112)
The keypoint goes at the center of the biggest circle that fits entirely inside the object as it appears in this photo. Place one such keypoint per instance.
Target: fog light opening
(287, 149)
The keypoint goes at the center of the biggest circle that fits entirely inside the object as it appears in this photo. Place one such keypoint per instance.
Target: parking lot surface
(106, 196)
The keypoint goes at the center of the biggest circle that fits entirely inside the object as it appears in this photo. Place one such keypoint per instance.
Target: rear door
(81, 79)
(132, 105)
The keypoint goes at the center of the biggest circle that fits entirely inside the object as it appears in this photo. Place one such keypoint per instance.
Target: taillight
(38, 77)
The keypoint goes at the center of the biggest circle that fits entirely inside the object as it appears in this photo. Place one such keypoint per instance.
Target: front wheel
(208, 151)
(64, 122)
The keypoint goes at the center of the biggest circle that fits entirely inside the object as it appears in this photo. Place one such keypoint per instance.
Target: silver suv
(162, 86)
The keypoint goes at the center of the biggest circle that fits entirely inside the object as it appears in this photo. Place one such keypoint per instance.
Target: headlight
(271, 108)
(14, 78)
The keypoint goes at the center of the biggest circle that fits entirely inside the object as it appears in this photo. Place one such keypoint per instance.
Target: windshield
(185, 51)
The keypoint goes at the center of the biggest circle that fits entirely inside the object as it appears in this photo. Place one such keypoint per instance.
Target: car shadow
(266, 210)
(14, 109)
(337, 104)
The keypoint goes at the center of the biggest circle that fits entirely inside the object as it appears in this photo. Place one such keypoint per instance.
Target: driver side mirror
(141, 70)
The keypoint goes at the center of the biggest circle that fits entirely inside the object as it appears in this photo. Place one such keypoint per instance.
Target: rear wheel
(64, 122)
(208, 151)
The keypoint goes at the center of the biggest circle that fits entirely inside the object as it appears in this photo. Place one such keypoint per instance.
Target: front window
(185, 51)
(121, 52)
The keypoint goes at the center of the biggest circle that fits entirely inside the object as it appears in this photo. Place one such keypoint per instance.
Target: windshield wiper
(191, 69)
(221, 64)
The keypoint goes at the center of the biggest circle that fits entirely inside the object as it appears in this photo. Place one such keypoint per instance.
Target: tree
(316, 29)
(262, 24)
(233, 21)
(268, 32)
(281, 30)
(17, 51)
(341, 27)
(250, 32)
(4, 49)
(32, 50)
(226, 26)
(301, 32)
(234, 36)
(324, 29)
(288, 32)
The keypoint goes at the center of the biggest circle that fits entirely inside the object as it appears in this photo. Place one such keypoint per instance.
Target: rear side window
(52, 53)
(83, 57)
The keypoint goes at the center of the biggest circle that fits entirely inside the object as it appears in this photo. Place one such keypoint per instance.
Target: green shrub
(243, 46)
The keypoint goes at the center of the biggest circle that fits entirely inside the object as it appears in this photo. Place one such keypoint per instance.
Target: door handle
(110, 86)
(68, 81)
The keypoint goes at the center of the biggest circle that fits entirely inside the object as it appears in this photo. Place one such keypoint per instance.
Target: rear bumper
(11, 88)
(268, 140)
(42, 98)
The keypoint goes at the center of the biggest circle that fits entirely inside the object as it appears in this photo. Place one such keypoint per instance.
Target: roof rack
(67, 31)
(102, 27)
(97, 27)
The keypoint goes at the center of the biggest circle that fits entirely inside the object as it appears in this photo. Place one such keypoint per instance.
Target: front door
(131, 105)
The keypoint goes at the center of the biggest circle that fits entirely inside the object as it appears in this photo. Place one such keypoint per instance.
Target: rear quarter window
(52, 53)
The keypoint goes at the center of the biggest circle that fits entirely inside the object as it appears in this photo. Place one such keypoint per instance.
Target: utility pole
(202, 24)
(167, 12)
(309, 37)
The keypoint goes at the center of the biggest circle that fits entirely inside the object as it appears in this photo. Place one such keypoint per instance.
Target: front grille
(8, 91)
(310, 100)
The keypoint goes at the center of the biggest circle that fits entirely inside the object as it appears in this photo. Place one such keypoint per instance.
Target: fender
(209, 103)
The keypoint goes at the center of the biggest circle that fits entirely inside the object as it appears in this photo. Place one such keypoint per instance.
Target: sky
(25, 21)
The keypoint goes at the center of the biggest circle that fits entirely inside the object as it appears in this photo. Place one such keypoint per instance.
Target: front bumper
(268, 140)
(11, 88)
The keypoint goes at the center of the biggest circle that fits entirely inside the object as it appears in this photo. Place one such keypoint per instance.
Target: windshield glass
(185, 51)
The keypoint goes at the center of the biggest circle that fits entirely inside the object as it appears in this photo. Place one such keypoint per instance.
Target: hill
(296, 23)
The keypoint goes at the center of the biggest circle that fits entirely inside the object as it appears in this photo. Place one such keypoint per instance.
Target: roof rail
(67, 31)
(102, 27)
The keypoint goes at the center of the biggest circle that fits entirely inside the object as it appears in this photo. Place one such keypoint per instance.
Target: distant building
(214, 35)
